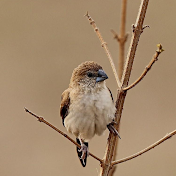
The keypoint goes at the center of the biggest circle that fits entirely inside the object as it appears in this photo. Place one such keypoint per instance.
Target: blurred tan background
(41, 42)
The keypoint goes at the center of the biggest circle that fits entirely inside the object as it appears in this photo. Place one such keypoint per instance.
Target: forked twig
(104, 45)
(145, 150)
(147, 68)
(41, 119)
(116, 36)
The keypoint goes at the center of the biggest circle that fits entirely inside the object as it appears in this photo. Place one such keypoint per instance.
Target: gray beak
(101, 76)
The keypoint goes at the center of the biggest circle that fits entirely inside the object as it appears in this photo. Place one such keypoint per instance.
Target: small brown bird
(87, 106)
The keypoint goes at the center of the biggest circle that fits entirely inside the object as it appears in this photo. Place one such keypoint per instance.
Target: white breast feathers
(89, 113)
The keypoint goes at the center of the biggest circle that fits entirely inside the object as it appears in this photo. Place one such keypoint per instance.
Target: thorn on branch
(133, 27)
(146, 26)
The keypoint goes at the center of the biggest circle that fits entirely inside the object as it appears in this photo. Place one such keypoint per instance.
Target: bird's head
(88, 74)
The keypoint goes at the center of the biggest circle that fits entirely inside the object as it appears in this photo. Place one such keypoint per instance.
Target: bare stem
(41, 119)
(122, 38)
(146, 149)
(147, 68)
(112, 140)
(138, 29)
(104, 45)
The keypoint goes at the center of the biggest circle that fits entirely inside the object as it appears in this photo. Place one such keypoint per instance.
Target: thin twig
(41, 119)
(116, 36)
(104, 45)
(145, 150)
(147, 68)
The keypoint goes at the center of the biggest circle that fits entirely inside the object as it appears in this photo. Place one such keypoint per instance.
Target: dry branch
(41, 119)
(147, 68)
(138, 29)
(121, 38)
(107, 163)
(146, 149)
(104, 45)
(112, 140)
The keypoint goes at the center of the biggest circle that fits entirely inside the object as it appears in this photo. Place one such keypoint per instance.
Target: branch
(119, 38)
(104, 45)
(116, 36)
(147, 68)
(122, 38)
(145, 150)
(112, 140)
(41, 119)
(137, 30)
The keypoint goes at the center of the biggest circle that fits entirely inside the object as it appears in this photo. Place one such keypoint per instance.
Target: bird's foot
(112, 129)
(113, 123)
(84, 150)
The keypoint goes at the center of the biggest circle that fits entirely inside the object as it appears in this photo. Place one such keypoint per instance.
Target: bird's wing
(110, 126)
(65, 103)
(111, 94)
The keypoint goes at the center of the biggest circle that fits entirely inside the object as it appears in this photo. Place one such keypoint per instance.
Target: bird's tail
(83, 161)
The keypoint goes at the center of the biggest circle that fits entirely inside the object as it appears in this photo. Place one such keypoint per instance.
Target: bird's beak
(101, 76)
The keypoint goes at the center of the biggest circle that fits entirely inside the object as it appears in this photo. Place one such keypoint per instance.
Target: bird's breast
(90, 113)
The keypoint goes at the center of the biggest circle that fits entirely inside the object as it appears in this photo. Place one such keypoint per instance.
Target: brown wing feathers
(65, 103)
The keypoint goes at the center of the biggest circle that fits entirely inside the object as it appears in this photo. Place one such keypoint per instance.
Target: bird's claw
(112, 129)
(113, 123)
(84, 150)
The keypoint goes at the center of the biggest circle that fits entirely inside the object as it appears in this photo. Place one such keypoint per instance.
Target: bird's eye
(89, 74)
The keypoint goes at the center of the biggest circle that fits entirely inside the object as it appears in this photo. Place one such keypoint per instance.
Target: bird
(87, 108)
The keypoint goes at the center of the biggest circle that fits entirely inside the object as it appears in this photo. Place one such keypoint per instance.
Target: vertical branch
(112, 140)
(137, 30)
(121, 40)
